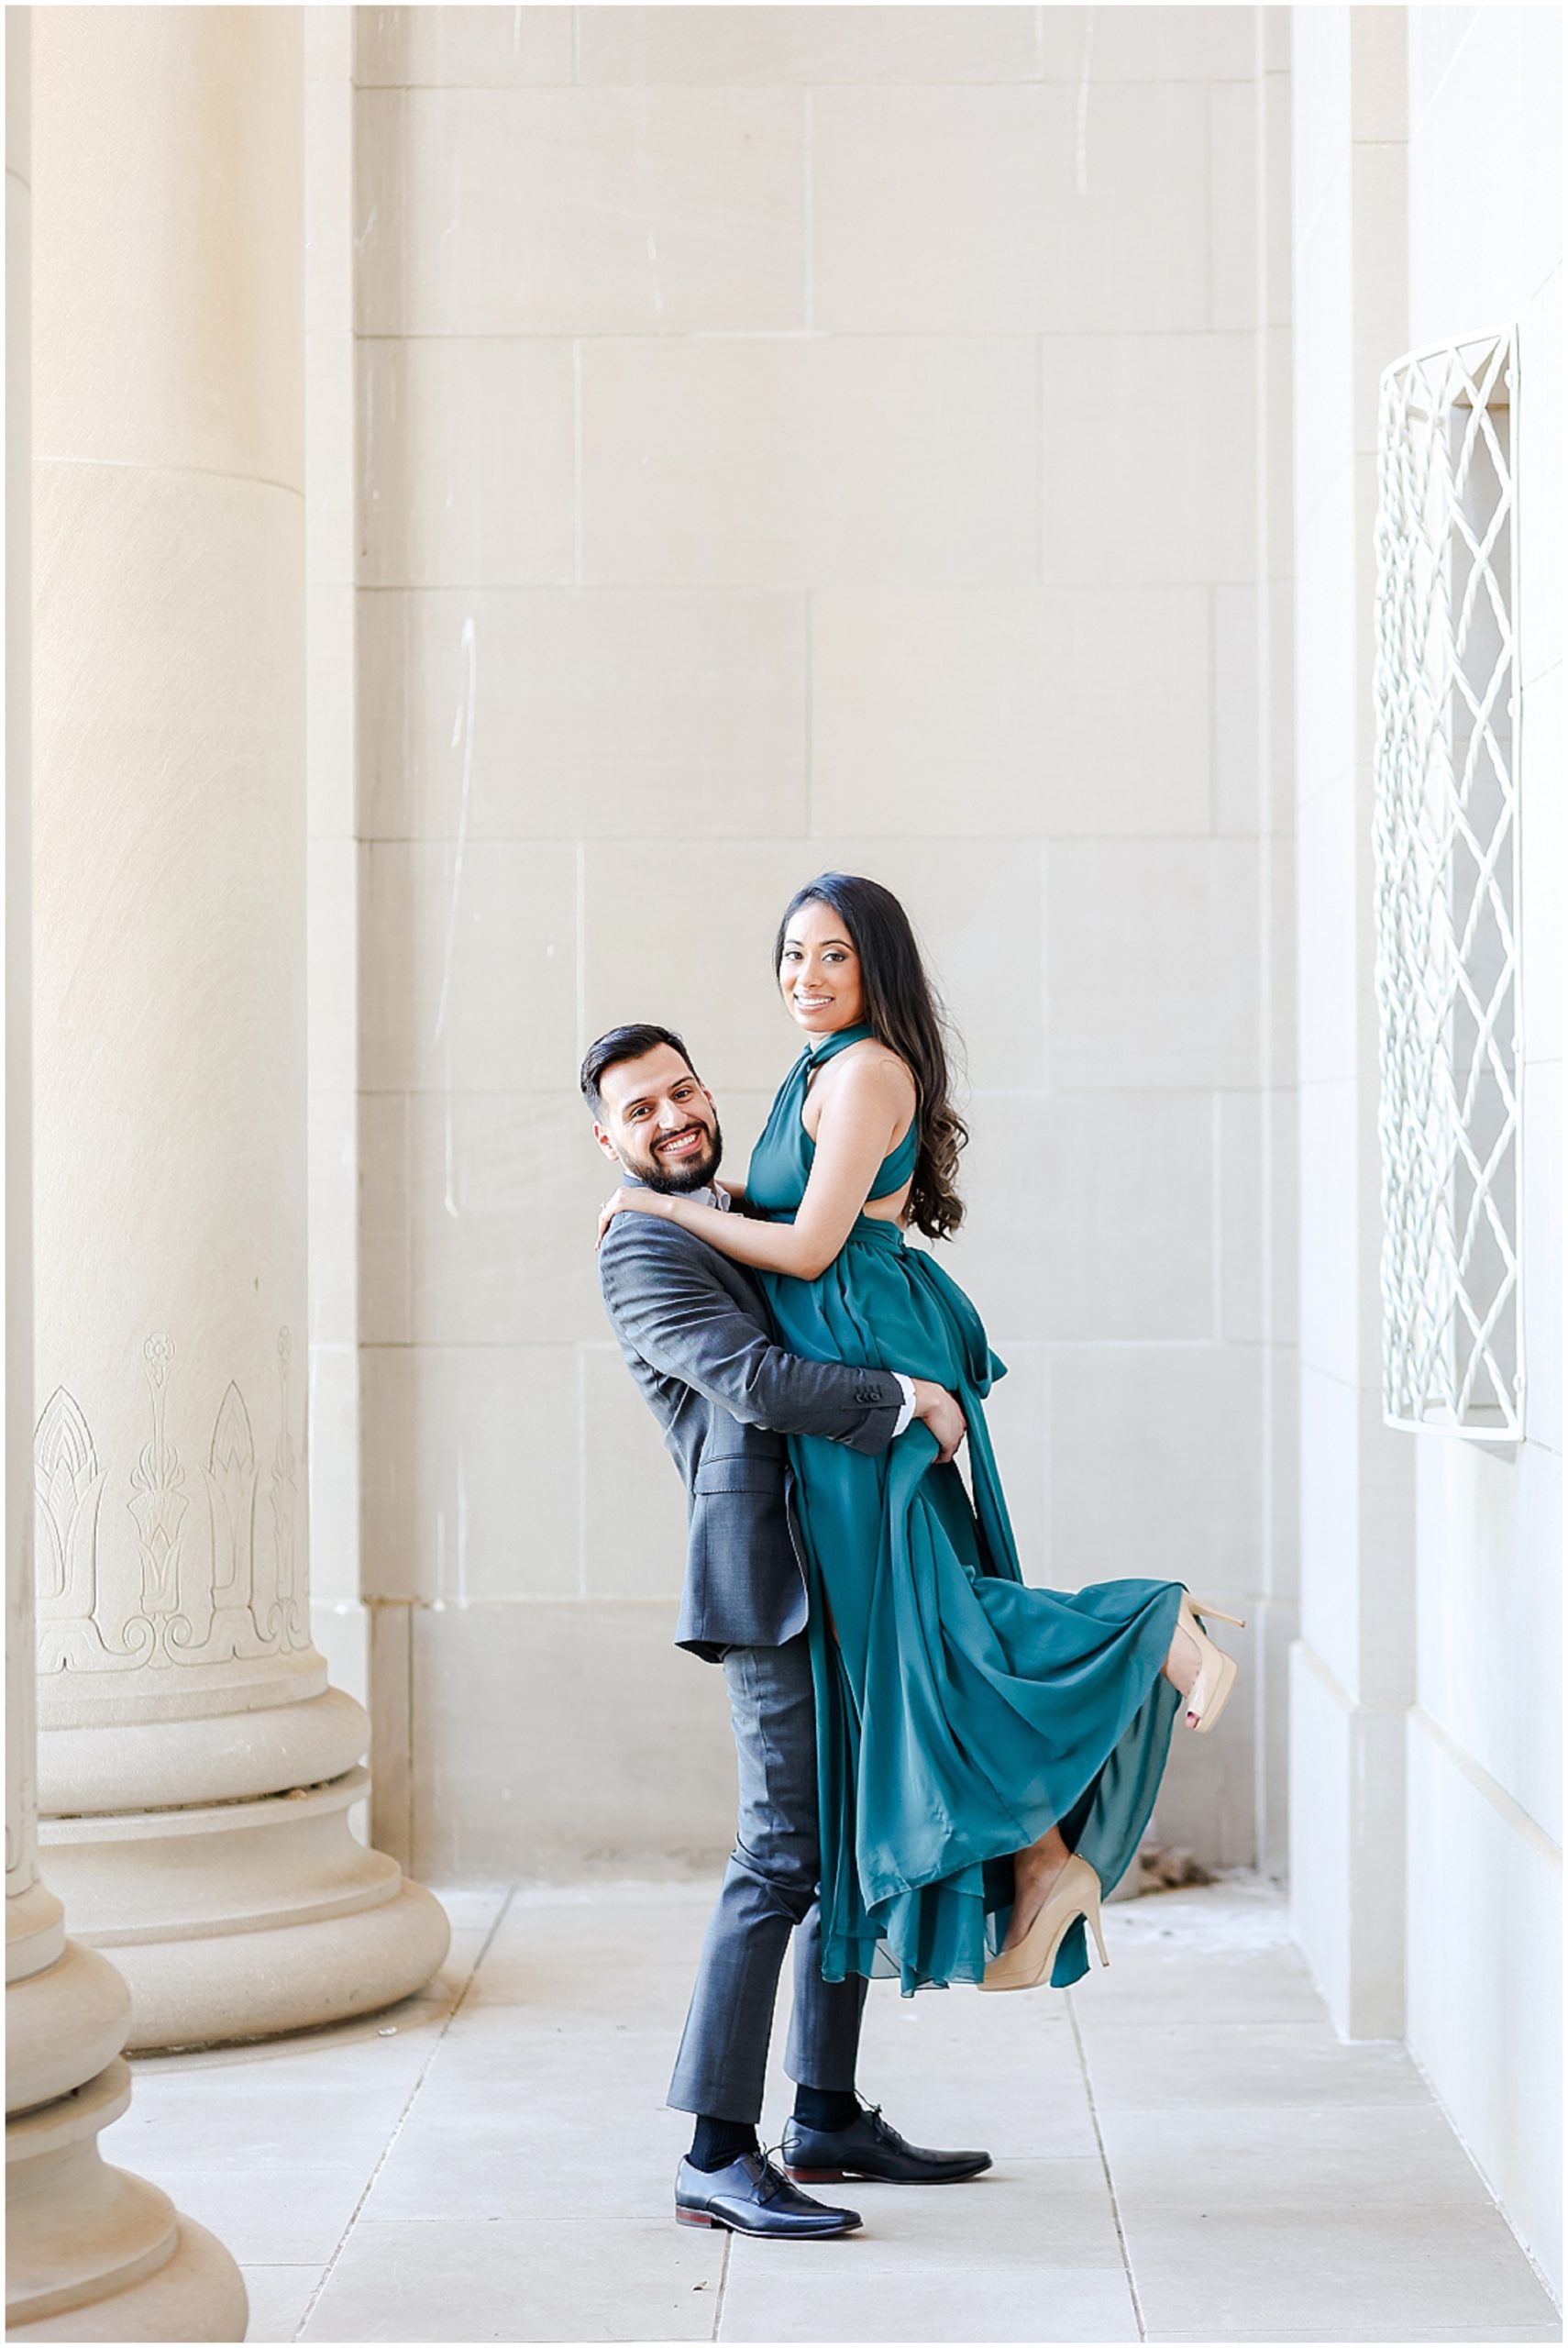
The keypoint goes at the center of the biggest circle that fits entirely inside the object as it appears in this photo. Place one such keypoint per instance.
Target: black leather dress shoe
(868, 2147)
(751, 2196)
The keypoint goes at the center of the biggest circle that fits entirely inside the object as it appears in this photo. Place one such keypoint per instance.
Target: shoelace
(881, 2129)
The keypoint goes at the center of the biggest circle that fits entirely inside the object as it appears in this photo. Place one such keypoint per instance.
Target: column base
(189, 1993)
(63, 2024)
(243, 1920)
(197, 2295)
(96, 2254)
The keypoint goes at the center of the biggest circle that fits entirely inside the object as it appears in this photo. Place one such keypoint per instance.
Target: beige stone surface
(1117, 412)
(67, 2009)
(482, 48)
(1018, 1420)
(330, 367)
(639, 711)
(1115, 1187)
(329, 174)
(807, 45)
(488, 1173)
(391, 1706)
(979, 211)
(428, 516)
(329, 709)
(333, 1125)
(1236, 220)
(590, 1699)
(184, 1708)
(293, 1976)
(633, 1505)
(469, 966)
(793, 462)
(454, 1436)
(1147, 943)
(582, 211)
(332, 916)
(1137, 44)
(384, 1262)
(1183, 1502)
(512, 2153)
(156, 348)
(1010, 711)
(89, 2250)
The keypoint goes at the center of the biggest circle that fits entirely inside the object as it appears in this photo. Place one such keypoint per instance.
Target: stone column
(91, 2253)
(196, 1772)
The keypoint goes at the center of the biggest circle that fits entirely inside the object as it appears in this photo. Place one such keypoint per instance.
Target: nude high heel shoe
(1210, 1692)
(1075, 1893)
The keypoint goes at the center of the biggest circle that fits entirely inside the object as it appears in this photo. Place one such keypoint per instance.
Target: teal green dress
(960, 1712)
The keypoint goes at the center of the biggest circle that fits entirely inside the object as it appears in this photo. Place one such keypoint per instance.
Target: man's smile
(681, 1145)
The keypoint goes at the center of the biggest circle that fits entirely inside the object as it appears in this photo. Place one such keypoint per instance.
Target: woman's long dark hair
(906, 1012)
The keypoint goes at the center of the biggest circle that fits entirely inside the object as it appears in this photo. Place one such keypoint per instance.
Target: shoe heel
(817, 2176)
(1216, 1613)
(699, 2218)
(1029, 1962)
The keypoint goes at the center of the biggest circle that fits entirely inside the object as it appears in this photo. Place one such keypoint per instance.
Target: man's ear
(605, 1144)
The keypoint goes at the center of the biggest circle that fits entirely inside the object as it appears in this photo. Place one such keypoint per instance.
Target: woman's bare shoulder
(874, 1063)
(869, 1076)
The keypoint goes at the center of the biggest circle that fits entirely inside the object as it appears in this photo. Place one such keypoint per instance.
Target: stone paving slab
(1184, 2151)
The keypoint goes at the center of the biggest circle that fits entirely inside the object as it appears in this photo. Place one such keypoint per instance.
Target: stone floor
(1184, 2151)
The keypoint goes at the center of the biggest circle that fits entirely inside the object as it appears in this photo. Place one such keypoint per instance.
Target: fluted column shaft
(197, 1773)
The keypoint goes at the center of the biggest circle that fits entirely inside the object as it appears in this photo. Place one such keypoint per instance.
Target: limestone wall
(791, 438)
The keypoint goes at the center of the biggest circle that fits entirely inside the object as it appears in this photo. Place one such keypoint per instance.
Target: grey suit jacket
(694, 1330)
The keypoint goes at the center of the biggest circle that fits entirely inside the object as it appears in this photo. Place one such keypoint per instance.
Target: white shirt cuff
(907, 1413)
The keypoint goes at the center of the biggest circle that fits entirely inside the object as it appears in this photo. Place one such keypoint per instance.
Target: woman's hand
(629, 1200)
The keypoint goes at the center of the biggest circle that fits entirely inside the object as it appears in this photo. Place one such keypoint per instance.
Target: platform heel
(1210, 1692)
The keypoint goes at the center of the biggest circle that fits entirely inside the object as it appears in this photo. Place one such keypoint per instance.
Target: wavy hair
(906, 1012)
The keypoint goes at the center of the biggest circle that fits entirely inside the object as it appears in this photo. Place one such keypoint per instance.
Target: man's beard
(687, 1173)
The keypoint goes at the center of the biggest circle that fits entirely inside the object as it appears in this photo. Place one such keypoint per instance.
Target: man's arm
(679, 1316)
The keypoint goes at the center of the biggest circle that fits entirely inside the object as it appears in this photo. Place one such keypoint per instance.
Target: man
(694, 1330)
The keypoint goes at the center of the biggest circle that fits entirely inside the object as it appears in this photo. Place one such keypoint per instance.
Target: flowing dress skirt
(960, 1712)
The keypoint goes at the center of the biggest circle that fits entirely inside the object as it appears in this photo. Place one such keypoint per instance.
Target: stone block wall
(794, 438)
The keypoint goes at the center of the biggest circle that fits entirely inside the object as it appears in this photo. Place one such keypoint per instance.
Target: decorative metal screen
(1446, 829)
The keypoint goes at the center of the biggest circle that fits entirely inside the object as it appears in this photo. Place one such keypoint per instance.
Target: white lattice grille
(1447, 867)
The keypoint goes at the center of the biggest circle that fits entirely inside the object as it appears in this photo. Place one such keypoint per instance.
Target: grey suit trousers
(769, 1891)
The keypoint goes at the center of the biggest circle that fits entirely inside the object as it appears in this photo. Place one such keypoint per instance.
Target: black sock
(716, 2143)
(829, 2108)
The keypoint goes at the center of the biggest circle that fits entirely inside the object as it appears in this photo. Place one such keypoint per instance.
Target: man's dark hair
(624, 1043)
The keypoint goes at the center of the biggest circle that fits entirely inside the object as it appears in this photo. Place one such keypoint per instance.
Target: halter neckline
(816, 1053)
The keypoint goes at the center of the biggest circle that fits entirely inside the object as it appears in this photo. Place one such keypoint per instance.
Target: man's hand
(942, 1415)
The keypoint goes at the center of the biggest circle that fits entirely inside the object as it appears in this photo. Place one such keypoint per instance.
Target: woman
(989, 1753)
